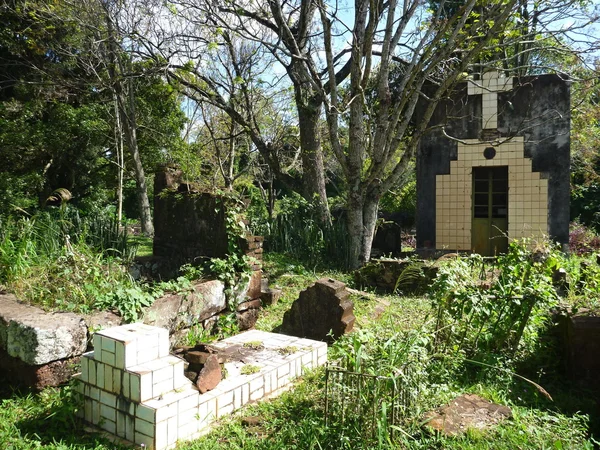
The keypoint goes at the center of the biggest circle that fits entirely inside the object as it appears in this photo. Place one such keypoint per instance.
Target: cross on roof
(492, 83)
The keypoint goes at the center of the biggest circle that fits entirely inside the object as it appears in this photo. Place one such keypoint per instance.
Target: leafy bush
(497, 316)
(582, 240)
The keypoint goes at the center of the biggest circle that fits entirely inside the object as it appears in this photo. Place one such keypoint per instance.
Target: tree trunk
(362, 221)
(313, 180)
(140, 177)
(126, 107)
(120, 161)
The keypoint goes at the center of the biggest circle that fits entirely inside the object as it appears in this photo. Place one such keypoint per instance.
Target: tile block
(132, 387)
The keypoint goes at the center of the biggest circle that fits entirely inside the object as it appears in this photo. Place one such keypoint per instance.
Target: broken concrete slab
(469, 411)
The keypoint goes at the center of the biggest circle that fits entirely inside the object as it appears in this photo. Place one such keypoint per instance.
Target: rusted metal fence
(374, 405)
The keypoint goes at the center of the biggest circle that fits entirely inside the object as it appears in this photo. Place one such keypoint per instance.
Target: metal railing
(373, 404)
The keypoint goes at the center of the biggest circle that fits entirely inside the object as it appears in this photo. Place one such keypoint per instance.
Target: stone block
(270, 296)
(19, 373)
(37, 337)
(466, 412)
(247, 319)
(210, 375)
(250, 304)
(178, 311)
(322, 312)
(254, 286)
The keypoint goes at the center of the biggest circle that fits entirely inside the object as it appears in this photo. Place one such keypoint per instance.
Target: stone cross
(489, 86)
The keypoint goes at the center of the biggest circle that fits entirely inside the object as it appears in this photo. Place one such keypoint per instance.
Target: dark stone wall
(188, 224)
(538, 108)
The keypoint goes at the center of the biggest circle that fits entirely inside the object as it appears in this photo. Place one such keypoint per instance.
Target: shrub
(582, 239)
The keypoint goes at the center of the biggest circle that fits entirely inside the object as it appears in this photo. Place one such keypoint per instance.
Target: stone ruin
(40, 349)
(323, 312)
(133, 389)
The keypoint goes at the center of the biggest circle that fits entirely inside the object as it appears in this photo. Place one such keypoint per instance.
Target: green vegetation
(249, 369)
(408, 343)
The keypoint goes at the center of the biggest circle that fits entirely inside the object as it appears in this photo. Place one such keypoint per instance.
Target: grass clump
(249, 369)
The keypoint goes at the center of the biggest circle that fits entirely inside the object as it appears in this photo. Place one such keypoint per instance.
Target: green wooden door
(490, 210)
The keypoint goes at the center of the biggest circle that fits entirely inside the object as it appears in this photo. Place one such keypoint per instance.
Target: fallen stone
(179, 311)
(322, 312)
(37, 337)
(191, 375)
(247, 319)
(252, 421)
(468, 411)
(270, 296)
(210, 375)
(250, 304)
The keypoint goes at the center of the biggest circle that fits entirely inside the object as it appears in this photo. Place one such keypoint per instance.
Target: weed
(254, 345)
(289, 350)
(249, 369)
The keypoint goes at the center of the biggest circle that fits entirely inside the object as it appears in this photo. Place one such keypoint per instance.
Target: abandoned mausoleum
(495, 165)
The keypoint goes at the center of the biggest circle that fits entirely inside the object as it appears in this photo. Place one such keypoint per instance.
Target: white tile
(172, 430)
(257, 395)
(161, 435)
(189, 402)
(131, 355)
(166, 411)
(245, 393)
(160, 375)
(162, 388)
(146, 386)
(227, 409)
(187, 430)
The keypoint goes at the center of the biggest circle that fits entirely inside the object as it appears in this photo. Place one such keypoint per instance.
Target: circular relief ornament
(489, 153)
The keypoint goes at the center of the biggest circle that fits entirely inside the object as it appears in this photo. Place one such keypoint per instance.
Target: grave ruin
(495, 165)
(134, 390)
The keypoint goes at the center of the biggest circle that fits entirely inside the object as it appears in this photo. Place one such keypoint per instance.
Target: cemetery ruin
(135, 390)
(495, 165)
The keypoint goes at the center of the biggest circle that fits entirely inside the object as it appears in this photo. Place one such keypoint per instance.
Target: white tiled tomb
(132, 388)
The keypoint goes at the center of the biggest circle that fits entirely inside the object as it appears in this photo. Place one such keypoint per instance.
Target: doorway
(489, 229)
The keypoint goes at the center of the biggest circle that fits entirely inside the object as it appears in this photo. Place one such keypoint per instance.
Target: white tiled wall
(133, 389)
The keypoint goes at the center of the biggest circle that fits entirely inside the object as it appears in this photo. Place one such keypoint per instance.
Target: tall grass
(30, 241)
(298, 231)
(57, 259)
